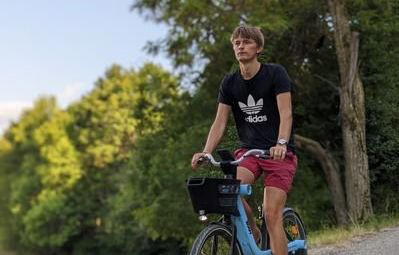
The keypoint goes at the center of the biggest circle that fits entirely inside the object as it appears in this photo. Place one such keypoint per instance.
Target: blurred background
(103, 103)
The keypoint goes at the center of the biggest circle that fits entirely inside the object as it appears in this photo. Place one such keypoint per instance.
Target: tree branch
(331, 171)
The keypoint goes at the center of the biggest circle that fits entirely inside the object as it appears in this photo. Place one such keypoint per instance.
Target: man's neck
(249, 69)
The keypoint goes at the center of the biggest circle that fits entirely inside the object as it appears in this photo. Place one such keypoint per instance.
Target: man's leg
(247, 177)
(273, 202)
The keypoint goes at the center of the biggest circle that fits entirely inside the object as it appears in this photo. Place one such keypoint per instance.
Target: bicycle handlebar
(254, 152)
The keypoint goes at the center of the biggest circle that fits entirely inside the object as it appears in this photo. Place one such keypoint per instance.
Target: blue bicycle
(232, 234)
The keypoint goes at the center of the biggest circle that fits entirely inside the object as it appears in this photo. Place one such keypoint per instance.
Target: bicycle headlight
(202, 216)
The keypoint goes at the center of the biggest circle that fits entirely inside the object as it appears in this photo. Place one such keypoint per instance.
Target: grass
(339, 235)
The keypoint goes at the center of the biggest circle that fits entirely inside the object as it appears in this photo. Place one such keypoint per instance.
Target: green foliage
(380, 69)
(5, 179)
(19, 167)
(157, 176)
(123, 108)
(51, 222)
(60, 166)
(315, 208)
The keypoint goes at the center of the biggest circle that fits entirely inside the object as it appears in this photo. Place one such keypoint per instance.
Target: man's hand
(278, 152)
(196, 157)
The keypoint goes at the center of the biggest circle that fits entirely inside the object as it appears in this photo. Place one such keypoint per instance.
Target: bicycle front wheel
(214, 240)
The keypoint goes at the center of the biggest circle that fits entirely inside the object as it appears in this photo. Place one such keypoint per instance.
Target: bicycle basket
(213, 195)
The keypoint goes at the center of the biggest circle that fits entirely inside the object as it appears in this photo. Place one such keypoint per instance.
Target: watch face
(282, 142)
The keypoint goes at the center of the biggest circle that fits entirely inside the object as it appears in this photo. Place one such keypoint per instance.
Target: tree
(124, 106)
(331, 172)
(64, 166)
(26, 167)
(353, 115)
(379, 67)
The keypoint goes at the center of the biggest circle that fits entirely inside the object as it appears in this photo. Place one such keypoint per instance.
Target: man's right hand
(196, 157)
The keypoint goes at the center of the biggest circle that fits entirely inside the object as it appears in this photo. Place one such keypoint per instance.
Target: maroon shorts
(277, 173)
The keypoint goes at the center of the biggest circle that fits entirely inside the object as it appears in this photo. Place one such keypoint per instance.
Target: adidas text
(256, 118)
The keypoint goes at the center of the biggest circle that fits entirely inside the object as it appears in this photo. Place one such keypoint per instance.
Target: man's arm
(215, 133)
(285, 111)
(217, 128)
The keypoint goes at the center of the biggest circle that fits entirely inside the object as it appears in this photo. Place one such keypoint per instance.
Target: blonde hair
(248, 32)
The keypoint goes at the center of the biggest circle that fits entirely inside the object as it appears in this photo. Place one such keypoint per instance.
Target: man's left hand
(278, 152)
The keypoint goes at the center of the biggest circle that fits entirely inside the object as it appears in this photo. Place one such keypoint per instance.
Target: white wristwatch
(282, 141)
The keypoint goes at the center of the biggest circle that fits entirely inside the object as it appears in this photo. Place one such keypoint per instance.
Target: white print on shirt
(251, 108)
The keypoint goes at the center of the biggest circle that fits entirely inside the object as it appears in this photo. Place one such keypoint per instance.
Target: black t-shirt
(254, 105)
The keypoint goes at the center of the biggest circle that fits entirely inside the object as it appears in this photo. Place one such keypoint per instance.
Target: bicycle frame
(244, 233)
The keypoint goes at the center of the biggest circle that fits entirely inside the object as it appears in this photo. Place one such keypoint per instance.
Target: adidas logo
(253, 108)
(256, 118)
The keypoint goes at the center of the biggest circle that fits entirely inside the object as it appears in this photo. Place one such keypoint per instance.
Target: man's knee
(274, 201)
(273, 215)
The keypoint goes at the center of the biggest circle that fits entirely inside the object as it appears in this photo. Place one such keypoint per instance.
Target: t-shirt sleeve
(224, 96)
(281, 81)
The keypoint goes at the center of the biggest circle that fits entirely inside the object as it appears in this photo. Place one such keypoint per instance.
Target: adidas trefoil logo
(253, 108)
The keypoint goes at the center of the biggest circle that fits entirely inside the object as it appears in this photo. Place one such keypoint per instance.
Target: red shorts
(277, 173)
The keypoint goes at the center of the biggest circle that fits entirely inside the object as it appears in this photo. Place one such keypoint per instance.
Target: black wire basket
(214, 195)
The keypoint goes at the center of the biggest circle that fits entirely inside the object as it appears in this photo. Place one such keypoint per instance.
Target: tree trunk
(352, 111)
(331, 171)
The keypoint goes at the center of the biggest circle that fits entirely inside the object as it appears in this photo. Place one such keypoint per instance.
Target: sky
(60, 48)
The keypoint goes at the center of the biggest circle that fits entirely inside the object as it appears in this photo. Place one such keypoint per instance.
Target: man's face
(245, 49)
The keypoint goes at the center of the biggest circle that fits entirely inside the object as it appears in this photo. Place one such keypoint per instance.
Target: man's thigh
(248, 170)
(280, 173)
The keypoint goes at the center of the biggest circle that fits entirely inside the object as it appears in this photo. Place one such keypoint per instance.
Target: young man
(259, 95)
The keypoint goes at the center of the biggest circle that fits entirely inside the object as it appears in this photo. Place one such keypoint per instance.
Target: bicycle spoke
(214, 247)
(291, 229)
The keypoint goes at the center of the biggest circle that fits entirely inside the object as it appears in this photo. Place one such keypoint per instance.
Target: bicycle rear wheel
(293, 228)
(214, 240)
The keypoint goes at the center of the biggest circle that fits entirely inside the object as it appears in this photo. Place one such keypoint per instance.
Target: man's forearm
(285, 125)
(214, 137)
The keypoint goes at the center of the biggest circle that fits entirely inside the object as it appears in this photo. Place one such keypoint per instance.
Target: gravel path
(385, 242)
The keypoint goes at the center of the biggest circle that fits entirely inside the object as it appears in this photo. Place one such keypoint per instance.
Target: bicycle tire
(212, 233)
(293, 227)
